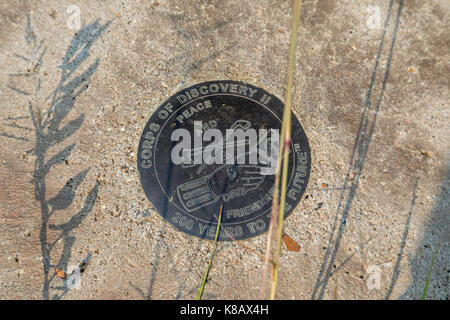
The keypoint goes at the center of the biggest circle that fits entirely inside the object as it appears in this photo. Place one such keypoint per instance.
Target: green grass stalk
(205, 277)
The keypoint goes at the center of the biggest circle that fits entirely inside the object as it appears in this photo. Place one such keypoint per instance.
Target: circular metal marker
(215, 145)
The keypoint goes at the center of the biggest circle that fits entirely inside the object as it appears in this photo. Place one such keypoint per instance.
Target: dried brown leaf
(290, 243)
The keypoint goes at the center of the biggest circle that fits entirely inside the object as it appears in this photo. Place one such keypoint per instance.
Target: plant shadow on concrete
(49, 133)
(435, 240)
(396, 271)
(358, 157)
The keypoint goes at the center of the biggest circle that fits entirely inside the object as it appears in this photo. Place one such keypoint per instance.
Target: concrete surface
(372, 97)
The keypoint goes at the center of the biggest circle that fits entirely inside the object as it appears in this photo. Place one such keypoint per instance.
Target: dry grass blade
(205, 277)
(277, 217)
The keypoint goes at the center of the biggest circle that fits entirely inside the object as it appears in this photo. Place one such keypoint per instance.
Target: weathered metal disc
(190, 196)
